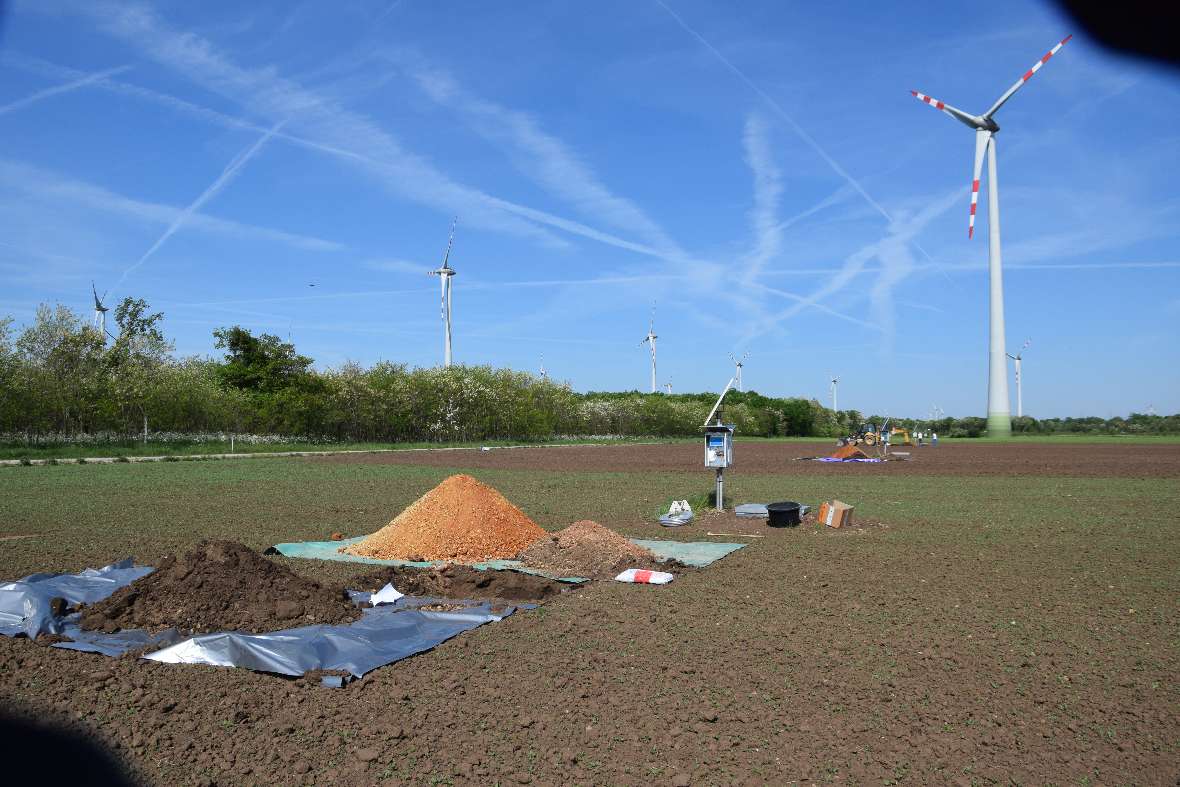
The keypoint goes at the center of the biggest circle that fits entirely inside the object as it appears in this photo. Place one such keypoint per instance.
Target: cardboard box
(835, 514)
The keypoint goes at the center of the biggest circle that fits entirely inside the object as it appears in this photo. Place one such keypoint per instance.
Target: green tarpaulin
(691, 553)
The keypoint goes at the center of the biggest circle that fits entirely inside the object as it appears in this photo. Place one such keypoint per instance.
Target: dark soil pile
(220, 586)
(453, 581)
(587, 549)
(461, 520)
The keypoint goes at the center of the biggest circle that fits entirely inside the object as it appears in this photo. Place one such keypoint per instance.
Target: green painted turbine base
(999, 425)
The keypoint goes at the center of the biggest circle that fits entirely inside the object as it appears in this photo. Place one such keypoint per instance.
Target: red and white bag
(643, 577)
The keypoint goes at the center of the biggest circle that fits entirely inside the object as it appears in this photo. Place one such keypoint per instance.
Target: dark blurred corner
(1146, 28)
(36, 753)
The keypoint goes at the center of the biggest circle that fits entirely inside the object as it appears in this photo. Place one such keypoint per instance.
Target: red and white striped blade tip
(1036, 66)
(934, 102)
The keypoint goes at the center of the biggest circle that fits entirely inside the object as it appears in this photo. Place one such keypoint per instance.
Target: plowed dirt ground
(998, 613)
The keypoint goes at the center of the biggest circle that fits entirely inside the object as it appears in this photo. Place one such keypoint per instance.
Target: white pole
(739, 376)
(999, 417)
(1019, 393)
(834, 408)
(446, 320)
(653, 364)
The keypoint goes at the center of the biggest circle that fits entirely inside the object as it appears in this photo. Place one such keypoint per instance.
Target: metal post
(720, 491)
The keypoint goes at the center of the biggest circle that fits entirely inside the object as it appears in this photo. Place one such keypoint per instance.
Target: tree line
(60, 376)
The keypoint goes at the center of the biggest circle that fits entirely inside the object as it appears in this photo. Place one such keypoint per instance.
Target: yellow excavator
(868, 434)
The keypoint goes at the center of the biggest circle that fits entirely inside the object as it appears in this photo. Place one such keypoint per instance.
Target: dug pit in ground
(460, 520)
(462, 582)
(220, 586)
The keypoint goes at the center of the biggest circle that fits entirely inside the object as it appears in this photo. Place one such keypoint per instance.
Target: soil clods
(460, 520)
(587, 549)
(220, 586)
(465, 582)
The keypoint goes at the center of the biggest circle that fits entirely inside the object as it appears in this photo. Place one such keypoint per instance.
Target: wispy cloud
(43, 184)
(893, 254)
(768, 189)
(228, 174)
(1068, 266)
(324, 124)
(74, 84)
(396, 266)
(777, 108)
(541, 156)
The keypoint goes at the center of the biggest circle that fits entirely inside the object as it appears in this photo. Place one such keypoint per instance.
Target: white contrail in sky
(98, 76)
(228, 174)
(778, 110)
(790, 121)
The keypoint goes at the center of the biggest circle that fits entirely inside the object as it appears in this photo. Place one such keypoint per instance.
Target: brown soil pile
(453, 581)
(220, 586)
(848, 451)
(587, 549)
(461, 520)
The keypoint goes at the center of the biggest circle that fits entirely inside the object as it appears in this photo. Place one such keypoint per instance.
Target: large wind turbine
(100, 313)
(834, 382)
(444, 274)
(651, 339)
(738, 363)
(999, 419)
(1019, 395)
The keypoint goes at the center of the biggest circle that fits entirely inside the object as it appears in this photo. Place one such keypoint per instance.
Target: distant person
(885, 440)
(919, 439)
(934, 439)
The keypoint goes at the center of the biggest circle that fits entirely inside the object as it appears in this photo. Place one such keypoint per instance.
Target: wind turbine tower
(651, 339)
(835, 381)
(999, 419)
(1019, 395)
(444, 274)
(738, 363)
(100, 313)
(544, 374)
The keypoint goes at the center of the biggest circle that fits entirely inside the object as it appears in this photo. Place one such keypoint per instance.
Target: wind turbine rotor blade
(942, 106)
(981, 138)
(1027, 76)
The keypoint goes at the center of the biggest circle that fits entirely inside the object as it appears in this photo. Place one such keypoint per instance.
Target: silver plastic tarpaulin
(384, 635)
(25, 607)
(381, 636)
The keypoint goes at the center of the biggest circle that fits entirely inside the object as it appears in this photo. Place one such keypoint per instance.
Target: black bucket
(783, 514)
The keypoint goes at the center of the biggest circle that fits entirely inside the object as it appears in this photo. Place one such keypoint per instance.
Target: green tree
(261, 363)
(136, 358)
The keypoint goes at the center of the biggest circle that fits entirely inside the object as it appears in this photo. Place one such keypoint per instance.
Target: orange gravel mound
(848, 451)
(461, 520)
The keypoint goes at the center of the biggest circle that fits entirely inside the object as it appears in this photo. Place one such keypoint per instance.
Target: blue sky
(758, 170)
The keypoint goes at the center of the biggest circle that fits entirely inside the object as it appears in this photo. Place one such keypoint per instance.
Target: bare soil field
(1006, 615)
(773, 458)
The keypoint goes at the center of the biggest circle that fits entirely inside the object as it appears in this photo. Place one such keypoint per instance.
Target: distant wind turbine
(651, 339)
(738, 363)
(544, 374)
(100, 312)
(1019, 395)
(999, 419)
(833, 383)
(444, 274)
